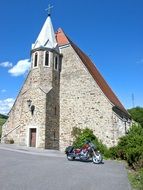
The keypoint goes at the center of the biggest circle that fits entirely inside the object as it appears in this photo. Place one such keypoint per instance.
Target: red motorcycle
(87, 152)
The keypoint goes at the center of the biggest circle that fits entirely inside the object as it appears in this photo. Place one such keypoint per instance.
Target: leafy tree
(137, 114)
(2, 121)
(3, 116)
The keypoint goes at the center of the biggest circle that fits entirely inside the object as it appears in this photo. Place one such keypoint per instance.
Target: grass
(136, 179)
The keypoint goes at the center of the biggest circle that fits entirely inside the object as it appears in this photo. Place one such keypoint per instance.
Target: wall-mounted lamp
(30, 106)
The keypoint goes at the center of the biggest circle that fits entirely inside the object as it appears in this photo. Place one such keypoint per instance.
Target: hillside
(3, 118)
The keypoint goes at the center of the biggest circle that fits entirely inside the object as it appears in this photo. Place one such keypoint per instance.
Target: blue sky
(109, 31)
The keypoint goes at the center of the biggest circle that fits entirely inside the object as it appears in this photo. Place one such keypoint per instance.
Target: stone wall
(62, 100)
(120, 127)
(15, 116)
(52, 109)
(21, 117)
(42, 88)
(82, 103)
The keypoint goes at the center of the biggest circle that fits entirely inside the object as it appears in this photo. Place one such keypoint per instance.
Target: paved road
(20, 171)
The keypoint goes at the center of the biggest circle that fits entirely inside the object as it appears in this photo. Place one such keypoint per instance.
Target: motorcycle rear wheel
(70, 158)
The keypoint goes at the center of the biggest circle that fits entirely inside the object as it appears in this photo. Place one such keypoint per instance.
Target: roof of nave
(62, 39)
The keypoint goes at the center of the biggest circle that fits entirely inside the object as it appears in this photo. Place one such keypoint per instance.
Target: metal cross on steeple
(49, 9)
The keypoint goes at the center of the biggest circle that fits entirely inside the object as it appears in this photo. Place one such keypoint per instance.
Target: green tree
(2, 121)
(137, 114)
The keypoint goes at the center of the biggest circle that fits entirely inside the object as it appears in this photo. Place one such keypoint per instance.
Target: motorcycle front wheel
(97, 159)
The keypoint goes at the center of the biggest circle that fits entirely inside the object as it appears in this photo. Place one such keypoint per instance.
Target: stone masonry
(83, 104)
(65, 92)
(42, 88)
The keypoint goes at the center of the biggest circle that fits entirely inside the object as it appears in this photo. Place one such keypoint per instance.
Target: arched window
(47, 59)
(35, 59)
(56, 62)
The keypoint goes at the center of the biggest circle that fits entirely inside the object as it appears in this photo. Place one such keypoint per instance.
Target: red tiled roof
(62, 39)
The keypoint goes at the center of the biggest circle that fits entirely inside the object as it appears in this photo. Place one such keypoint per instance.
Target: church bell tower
(45, 56)
(45, 76)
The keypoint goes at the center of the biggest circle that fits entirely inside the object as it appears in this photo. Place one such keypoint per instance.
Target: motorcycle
(87, 152)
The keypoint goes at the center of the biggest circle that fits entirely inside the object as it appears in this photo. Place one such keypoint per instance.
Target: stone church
(63, 90)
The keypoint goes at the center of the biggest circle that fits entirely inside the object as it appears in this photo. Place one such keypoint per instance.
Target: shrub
(113, 152)
(130, 147)
(11, 141)
(103, 148)
(8, 141)
(81, 135)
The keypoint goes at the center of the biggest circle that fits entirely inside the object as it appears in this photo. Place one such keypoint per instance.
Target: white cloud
(20, 68)
(6, 64)
(3, 90)
(140, 61)
(6, 105)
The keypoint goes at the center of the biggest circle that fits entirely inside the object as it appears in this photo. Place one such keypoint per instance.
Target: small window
(35, 59)
(56, 63)
(47, 59)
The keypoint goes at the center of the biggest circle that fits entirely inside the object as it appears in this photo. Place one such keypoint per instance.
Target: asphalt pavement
(23, 168)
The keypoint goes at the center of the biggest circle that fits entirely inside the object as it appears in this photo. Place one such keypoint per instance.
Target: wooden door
(33, 137)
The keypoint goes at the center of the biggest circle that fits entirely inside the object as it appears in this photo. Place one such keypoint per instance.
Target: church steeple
(46, 38)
